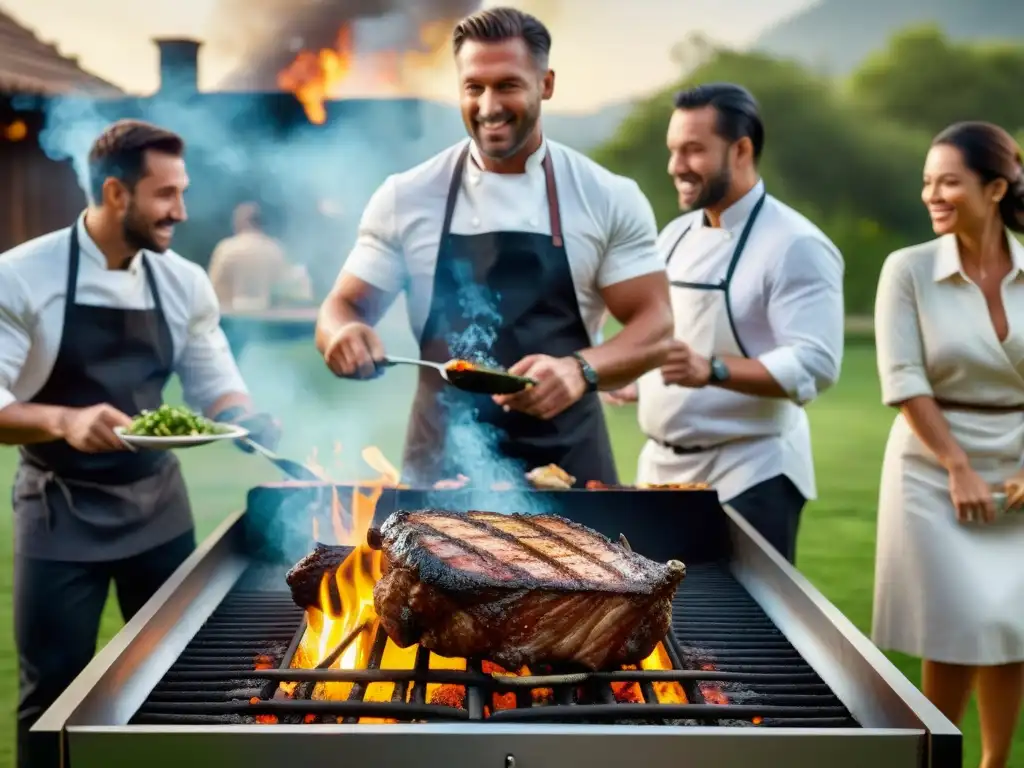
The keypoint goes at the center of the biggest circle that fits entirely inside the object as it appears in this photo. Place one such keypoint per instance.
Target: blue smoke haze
(287, 171)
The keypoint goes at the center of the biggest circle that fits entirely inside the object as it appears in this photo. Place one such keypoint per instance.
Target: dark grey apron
(74, 506)
(501, 296)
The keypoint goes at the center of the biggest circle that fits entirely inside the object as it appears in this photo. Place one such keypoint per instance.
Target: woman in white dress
(949, 322)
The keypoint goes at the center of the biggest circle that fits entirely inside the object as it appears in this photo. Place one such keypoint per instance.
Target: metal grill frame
(719, 636)
(89, 724)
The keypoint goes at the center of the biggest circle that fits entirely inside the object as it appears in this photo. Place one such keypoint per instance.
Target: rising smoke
(343, 164)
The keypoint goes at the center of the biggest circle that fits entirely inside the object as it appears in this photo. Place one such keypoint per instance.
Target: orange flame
(313, 77)
(346, 604)
(316, 77)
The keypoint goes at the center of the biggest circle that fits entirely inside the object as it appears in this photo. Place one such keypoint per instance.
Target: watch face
(589, 374)
(718, 370)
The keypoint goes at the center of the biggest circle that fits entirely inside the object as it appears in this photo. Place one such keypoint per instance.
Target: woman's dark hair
(495, 25)
(992, 153)
(738, 112)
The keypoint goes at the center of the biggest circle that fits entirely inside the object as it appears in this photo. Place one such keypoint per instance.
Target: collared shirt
(786, 293)
(935, 336)
(607, 224)
(33, 287)
(786, 297)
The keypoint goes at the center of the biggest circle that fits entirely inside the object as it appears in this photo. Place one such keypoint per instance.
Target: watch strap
(589, 374)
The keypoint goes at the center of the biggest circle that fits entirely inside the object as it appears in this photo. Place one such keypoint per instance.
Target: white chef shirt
(608, 226)
(33, 287)
(787, 302)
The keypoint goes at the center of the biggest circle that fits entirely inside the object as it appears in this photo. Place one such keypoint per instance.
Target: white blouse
(934, 333)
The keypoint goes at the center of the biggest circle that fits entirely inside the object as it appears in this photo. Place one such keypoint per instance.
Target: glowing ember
(713, 694)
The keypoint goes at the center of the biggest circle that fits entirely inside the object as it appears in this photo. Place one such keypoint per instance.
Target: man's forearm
(26, 423)
(749, 377)
(639, 347)
(334, 313)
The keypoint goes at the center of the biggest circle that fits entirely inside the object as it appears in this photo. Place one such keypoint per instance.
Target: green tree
(857, 179)
(925, 81)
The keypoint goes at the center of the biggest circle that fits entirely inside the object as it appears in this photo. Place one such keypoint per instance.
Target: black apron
(499, 297)
(71, 505)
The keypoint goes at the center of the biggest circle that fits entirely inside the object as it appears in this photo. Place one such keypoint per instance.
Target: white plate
(233, 432)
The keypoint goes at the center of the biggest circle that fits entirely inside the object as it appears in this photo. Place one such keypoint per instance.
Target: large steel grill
(734, 665)
(772, 674)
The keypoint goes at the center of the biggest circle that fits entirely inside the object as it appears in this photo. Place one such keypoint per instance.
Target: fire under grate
(734, 665)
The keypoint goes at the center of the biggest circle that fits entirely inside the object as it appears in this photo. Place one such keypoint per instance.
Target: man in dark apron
(508, 295)
(88, 512)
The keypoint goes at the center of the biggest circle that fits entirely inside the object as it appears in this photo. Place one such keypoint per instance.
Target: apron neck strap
(554, 214)
(151, 282)
(553, 211)
(74, 257)
(740, 243)
(744, 236)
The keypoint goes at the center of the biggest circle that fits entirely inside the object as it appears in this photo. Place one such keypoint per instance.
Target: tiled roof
(28, 65)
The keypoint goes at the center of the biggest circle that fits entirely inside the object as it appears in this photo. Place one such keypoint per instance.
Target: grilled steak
(306, 575)
(519, 590)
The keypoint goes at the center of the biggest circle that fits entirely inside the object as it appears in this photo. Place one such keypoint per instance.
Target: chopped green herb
(172, 421)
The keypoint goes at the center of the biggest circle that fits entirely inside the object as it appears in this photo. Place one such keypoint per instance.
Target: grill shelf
(735, 666)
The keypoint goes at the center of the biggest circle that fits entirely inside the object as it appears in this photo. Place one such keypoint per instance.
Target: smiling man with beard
(94, 320)
(757, 293)
(510, 248)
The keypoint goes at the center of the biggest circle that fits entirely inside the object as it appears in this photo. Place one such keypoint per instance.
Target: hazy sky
(602, 51)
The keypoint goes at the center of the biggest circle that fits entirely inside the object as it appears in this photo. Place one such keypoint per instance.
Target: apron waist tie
(687, 450)
(48, 477)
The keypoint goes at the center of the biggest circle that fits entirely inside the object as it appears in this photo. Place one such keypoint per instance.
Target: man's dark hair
(120, 152)
(496, 25)
(738, 112)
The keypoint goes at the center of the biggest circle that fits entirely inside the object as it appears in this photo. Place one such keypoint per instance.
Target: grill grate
(735, 666)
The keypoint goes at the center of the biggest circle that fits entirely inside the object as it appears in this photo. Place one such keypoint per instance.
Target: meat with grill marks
(307, 575)
(519, 590)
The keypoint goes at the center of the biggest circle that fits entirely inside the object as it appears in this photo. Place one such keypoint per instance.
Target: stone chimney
(179, 66)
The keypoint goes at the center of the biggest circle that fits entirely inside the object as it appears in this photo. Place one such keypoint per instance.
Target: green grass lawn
(837, 539)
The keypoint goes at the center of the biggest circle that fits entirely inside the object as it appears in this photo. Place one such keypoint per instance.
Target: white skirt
(946, 591)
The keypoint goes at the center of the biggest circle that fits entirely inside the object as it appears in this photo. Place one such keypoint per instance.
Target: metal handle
(390, 360)
(260, 448)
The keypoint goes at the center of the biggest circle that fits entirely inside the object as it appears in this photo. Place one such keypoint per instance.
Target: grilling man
(757, 293)
(94, 319)
(509, 246)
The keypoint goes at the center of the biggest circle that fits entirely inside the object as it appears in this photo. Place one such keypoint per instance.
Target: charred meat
(519, 590)
(305, 577)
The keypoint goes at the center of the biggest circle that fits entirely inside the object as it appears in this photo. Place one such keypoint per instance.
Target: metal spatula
(470, 377)
(291, 468)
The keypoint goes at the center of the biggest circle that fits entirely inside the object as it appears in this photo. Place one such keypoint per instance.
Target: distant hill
(587, 131)
(834, 36)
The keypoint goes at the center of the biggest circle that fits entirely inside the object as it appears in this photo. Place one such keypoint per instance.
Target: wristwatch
(589, 374)
(719, 371)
